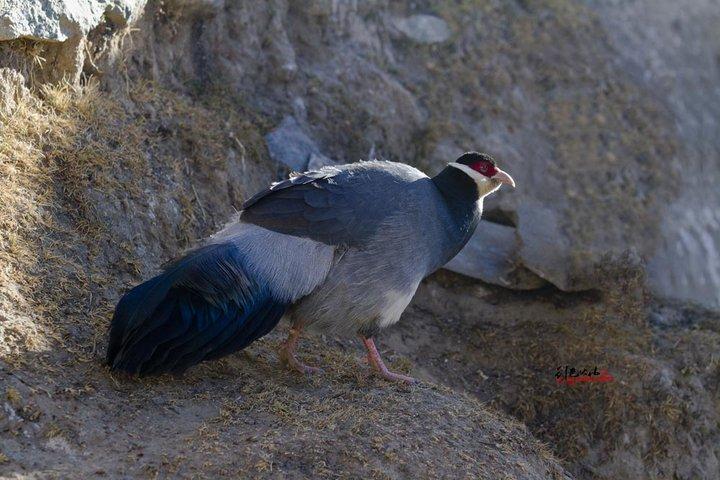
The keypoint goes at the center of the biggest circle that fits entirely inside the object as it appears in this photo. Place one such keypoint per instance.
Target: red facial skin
(484, 167)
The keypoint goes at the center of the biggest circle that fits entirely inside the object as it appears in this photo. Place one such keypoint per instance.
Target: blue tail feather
(143, 344)
(260, 325)
(215, 341)
(203, 307)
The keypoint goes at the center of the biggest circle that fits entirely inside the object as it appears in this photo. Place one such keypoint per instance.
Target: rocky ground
(134, 130)
(246, 417)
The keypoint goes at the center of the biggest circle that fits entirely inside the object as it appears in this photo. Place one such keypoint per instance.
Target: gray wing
(335, 206)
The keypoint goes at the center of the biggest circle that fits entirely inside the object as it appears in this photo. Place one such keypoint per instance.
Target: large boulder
(56, 31)
(424, 29)
(60, 20)
(492, 255)
(670, 48)
(290, 146)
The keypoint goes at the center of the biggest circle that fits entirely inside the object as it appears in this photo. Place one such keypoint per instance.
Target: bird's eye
(483, 167)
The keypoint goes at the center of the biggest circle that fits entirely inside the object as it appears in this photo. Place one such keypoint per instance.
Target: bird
(341, 250)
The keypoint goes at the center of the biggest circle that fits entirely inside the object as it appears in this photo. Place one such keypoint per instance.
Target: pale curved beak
(504, 177)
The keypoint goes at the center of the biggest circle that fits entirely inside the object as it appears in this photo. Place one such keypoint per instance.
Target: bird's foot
(287, 354)
(394, 377)
(288, 359)
(375, 360)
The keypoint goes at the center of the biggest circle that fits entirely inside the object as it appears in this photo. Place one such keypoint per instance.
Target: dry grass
(26, 56)
(55, 150)
(74, 163)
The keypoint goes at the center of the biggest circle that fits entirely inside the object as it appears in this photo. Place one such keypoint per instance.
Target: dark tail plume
(202, 307)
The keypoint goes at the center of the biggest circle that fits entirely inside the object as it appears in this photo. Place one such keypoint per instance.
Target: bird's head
(482, 168)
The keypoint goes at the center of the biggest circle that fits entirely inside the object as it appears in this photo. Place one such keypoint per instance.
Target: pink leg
(287, 353)
(377, 363)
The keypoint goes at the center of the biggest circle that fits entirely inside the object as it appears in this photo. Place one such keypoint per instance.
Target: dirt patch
(245, 416)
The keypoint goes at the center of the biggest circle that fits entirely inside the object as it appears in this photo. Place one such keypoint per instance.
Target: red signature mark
(570, 376)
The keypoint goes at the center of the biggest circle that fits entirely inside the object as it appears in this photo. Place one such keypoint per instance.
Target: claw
(287, 355)
(374, 359)
(395, 377)
(289, 360)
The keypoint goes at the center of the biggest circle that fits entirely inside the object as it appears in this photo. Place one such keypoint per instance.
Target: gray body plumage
(352, 254)
(341, 249)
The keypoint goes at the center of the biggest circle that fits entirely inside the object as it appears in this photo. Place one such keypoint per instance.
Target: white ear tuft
(477, 176)
(485, 185)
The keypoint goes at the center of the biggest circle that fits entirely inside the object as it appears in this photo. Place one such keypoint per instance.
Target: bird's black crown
(472, 158)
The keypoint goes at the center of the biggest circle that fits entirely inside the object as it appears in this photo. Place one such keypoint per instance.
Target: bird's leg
(287, 352)
(378, 365)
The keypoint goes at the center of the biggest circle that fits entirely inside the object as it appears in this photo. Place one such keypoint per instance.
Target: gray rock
(318, 160)
(426, 29)
(491, 255)
(59, 20)
(290, 145)
(62, 26)
(299, 108)
(12, 90)
(667, 47)
(543, 247)
(281, 52)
